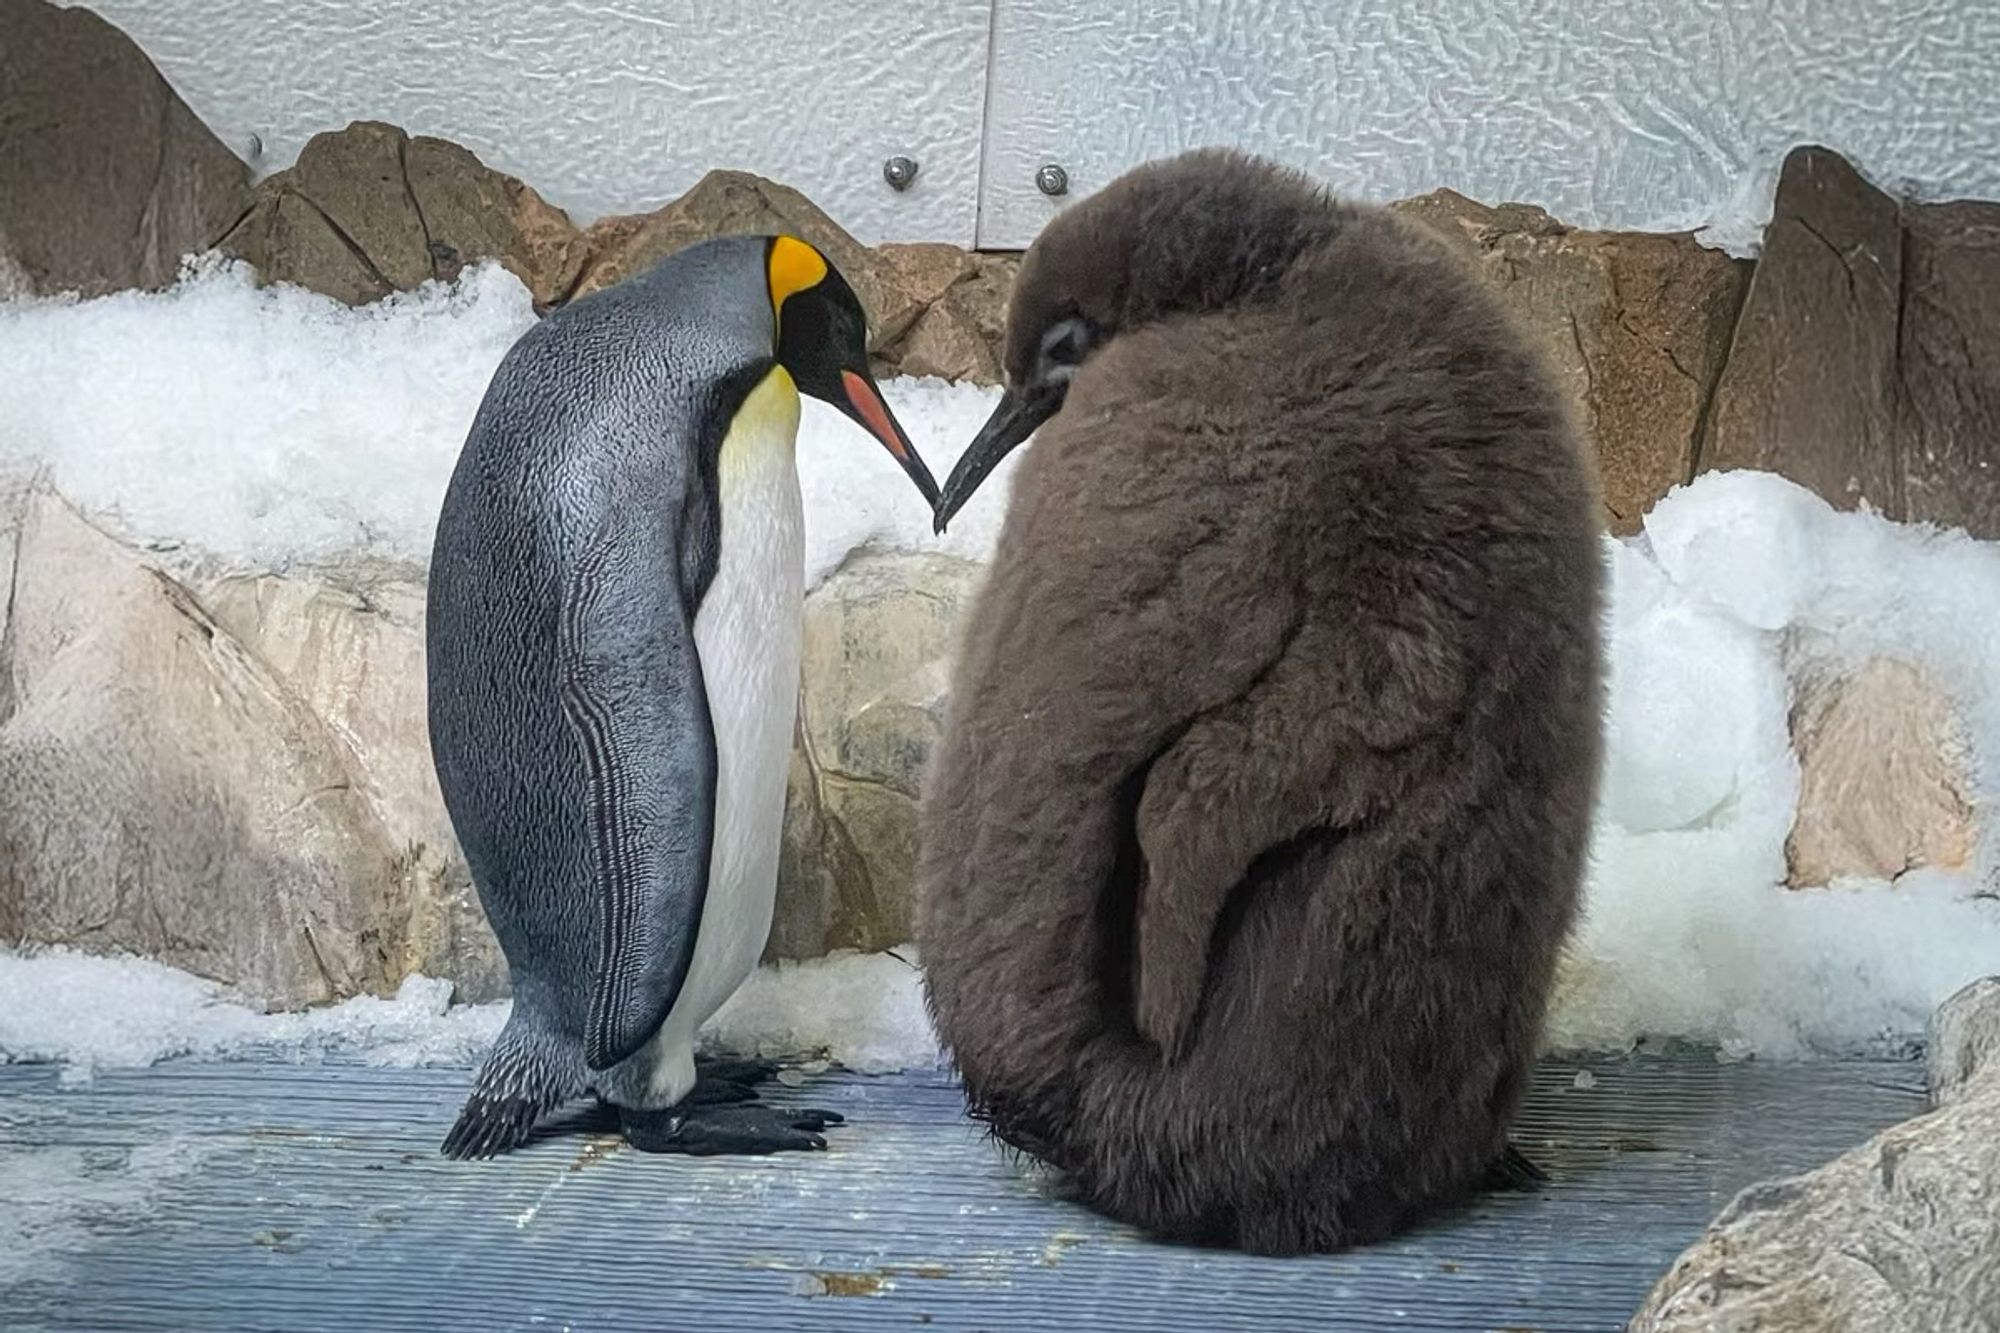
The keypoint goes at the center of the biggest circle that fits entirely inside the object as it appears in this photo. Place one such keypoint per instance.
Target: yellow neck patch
(762, 434)
(794, 266)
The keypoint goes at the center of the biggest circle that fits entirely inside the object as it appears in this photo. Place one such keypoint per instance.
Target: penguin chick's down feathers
(1260, 811)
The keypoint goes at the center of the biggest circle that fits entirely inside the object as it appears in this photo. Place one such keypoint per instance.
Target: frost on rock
(272, 427)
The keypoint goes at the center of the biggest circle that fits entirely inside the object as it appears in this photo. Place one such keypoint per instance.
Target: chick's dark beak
(863, 403)
(1014, 420)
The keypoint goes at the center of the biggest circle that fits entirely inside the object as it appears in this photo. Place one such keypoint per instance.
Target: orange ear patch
(794, 266)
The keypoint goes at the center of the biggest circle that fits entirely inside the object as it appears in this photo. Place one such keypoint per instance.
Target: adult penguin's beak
(861, 400)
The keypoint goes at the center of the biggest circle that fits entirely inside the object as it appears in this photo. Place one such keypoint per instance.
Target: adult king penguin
(613, 656)
(1260, 810)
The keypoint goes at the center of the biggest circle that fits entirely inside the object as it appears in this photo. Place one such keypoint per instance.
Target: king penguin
(1265, 786)
(613, 645)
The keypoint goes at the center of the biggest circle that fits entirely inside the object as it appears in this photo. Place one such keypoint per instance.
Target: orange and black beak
(862, 402)
(823, 341)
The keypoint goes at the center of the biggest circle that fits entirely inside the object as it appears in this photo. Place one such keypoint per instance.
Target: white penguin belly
(747, 634)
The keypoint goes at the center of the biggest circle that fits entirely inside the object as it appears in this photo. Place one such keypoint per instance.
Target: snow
(864, 1011)
(91, 1013)
(275, 428)
(1741, 586)
(279, 428)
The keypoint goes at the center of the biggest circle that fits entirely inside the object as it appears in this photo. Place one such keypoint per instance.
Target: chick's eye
(1064, 346)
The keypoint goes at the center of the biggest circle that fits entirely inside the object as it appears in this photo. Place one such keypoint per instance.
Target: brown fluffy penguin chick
(1261, 807)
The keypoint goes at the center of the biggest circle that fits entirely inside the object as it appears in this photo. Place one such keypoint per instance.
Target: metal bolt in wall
(1052, 180)
(899, 172)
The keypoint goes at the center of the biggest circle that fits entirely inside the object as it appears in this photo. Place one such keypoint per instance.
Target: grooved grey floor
(265, 1195)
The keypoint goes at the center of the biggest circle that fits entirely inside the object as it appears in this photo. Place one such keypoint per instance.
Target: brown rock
(355, 177)
(959, 335)
(472, 212)
(1884, 778)
(929, 269)
(109, 178)
(367, 210)
(946, 342)
(1635, 326)
(286, 238)
(878, 635)
(1810, 387)
(1950, 364)
(985, 294)
(733, 202)
(1867, 361)
(166, 794)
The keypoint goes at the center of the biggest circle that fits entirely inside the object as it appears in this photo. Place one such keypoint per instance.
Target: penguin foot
(714, 1131)
(721, 1082)
(736, 1071)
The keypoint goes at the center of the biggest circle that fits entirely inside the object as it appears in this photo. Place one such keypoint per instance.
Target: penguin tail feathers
(521, 1081)
(1513, 1171)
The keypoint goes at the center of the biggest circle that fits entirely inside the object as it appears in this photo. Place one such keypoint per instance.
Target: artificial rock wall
(230, 775)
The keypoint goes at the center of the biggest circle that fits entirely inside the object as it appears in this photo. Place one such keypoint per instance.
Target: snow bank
(864, 1011)
(91, 1013)
(1742, 585)
(275, 427)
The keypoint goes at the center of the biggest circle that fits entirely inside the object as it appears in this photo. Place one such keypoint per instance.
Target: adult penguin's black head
(823, 345)
(1199, 233)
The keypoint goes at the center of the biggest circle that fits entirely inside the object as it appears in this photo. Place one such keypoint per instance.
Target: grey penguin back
(589, 465)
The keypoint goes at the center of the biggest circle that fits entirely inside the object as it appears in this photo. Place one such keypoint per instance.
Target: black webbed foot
(735, 1071)
(713, 1131)
(722, 1082)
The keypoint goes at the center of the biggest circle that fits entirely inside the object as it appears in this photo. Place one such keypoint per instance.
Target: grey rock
(1963, 1044)
(1900, 1235)
(879, 633)
(166, 793)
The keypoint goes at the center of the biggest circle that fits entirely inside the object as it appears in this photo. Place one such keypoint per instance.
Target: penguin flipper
(632, 690)
(1270, 774)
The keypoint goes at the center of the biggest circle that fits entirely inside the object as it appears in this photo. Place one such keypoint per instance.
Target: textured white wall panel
(1624, 113)
(610, 105)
